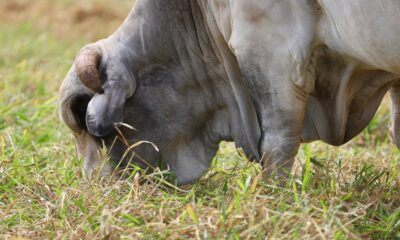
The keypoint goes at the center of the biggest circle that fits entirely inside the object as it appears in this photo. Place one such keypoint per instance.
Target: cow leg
(273, 55)
(281, 107)
(281, 134)
(395, 97)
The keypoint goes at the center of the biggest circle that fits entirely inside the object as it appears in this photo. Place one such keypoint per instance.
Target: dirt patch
(89, 19)
(16, 6)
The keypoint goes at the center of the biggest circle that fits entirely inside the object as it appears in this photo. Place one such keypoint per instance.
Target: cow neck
(250, 127)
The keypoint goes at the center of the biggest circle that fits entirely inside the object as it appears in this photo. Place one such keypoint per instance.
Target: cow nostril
(79, 108)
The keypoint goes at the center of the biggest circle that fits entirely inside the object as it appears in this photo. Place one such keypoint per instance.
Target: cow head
(185, 118)
(168, 80)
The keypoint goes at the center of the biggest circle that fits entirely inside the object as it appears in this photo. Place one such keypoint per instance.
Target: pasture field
(347, 192)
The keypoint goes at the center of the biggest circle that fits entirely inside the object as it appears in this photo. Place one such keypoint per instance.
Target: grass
(348, 192)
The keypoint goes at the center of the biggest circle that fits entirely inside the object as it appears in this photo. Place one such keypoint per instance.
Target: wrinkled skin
(267, 75)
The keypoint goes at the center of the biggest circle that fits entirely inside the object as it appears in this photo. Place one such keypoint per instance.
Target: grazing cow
(266, 74)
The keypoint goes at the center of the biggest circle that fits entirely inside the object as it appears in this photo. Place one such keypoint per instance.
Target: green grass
(348, 192)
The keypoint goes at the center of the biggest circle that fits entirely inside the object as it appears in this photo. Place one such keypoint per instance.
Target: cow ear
(104, 110)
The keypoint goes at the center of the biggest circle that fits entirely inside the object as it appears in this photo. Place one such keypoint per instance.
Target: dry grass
(349, 192)
(68, 19)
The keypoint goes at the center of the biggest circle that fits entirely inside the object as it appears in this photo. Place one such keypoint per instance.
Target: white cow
(267, 74)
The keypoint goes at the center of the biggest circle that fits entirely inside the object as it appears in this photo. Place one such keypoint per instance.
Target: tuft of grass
(348, 192)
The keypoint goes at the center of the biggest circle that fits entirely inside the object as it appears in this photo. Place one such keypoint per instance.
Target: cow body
(265, 74)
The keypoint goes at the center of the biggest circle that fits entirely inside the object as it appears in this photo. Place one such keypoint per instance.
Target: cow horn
(87, 67)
